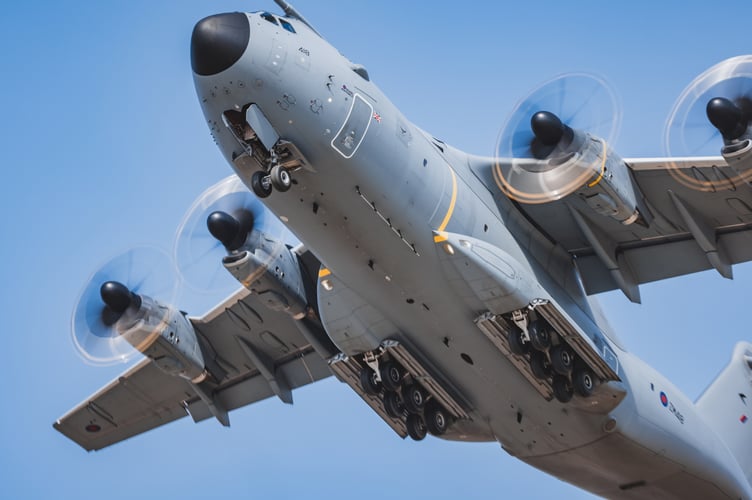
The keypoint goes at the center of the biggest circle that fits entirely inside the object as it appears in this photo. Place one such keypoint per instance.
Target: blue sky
(104, 147)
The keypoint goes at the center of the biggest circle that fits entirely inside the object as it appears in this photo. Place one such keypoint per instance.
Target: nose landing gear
(278, 178)
(261, 184)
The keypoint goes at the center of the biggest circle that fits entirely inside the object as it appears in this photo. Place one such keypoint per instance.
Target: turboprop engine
(721, 97)
(229, 224)
(548, 152)
(115, 318)
(159, 332)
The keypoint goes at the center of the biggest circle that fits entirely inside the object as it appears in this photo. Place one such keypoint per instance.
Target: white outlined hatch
(354, 129)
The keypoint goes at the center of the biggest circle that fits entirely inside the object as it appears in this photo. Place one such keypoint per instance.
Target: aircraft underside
(449, 291)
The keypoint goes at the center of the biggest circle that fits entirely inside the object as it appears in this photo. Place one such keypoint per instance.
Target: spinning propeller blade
(540, 136)
(715, 109)
(112, 292)
(224, 219)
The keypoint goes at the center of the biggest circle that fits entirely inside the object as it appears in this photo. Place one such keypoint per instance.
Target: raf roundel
(664, 399)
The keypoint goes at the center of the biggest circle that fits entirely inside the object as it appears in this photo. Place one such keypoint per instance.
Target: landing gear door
(261, 126)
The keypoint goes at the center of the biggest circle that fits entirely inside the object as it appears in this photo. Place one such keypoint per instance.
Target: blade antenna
(294, 14)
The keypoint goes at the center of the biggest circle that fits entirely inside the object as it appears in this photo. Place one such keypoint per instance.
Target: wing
(702, 215)
(253, 351)
(698, 212)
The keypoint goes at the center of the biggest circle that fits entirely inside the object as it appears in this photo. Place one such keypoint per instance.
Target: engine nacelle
(738, 155)
(270, 270)
(609, 190)
(586, 167)
(165, 336)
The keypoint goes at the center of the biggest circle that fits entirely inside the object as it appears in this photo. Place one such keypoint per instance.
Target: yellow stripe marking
(324, 272)
(439, 237)
(603, 166)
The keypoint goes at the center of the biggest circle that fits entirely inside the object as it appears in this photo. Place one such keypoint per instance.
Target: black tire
(416, 427)
(437, 419)
(540, 334)
(393, 404)
(414, 398)
(391, 375)
(539, 365)
(257, 184)
(562, 359)
(516, 345)
(583, 381)
(280, 178)
(368, 381)
(563, 390)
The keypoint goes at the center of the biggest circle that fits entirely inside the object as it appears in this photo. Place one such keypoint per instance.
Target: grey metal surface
(650, 252)
(145, 397)
(140, 399)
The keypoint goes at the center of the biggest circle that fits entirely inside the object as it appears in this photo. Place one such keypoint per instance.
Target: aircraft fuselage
(380, 203)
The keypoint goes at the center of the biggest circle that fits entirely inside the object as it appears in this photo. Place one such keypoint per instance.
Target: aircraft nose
(218, 41)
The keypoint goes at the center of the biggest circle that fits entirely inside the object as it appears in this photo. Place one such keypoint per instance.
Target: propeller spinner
(228, 230)
(729, 117)
(550, 134)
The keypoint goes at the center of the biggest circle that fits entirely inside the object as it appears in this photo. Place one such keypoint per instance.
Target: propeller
(540, 136)
(226, 218)
(715, 109)
(114, 293)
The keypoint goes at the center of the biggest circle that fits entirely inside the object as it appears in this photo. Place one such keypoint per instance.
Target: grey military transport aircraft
(450, 291)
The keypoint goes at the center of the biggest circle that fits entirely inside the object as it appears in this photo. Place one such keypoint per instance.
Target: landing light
(448, 248)
(327, 284)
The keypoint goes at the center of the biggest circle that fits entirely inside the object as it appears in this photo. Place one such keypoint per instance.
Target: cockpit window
(287, 26)
(269, 17)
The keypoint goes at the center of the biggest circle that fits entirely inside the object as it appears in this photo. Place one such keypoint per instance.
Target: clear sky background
(104, 147)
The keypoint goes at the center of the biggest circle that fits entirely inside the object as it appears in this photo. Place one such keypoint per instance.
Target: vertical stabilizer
(726, 405)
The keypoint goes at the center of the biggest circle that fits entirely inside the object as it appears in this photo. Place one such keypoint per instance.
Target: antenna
(291, 12)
